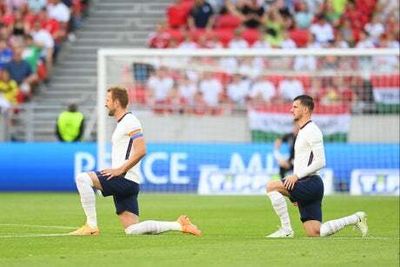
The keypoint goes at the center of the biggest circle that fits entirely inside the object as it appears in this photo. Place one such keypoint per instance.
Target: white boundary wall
(363, 128)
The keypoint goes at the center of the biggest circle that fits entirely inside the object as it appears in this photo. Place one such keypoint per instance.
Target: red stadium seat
(251, 36)
(177, 14)
(223, 77)
(275, 79)
(225, 36)
(228, 21)
(305, 80)
(175, 34)
(195, 34)
(137, 94)
(300, 37)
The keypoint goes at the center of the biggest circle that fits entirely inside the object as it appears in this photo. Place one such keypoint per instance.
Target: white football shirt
(122, 146)
(309, 154)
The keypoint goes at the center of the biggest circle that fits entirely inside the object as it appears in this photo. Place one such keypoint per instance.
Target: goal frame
(104, 53)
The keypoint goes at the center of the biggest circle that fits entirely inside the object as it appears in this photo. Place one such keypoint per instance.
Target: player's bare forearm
(139, 148)
(133, 160)
(136, 157)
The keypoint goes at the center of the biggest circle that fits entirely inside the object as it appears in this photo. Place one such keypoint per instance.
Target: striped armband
(135, 134)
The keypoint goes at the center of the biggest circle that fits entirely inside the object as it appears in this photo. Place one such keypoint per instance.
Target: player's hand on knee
(290, 181)
(111, 173)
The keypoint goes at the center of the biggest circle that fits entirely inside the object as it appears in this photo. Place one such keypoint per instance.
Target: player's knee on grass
(127, 218)
(312, 228)
(313, 233)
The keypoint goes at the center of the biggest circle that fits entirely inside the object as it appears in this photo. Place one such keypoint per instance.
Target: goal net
(211, 117)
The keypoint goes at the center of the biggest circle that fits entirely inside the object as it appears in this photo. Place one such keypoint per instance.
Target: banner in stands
(386, 89)
(375, 182)
(269, 122)
(217, 168)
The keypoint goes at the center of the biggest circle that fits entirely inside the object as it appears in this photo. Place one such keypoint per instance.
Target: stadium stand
(285, 24)
(288, 25)
(121, 23)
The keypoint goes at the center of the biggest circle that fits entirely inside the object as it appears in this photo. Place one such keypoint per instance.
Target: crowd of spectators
(31, 35)
(273, 24)
(172, 90)
(279, 23)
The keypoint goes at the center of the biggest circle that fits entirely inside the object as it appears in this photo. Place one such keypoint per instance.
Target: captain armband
(135, 134)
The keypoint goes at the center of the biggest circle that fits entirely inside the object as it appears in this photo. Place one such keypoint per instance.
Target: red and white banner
(278, 119)
(386, 89)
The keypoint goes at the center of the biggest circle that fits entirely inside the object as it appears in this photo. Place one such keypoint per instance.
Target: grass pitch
(234, 228)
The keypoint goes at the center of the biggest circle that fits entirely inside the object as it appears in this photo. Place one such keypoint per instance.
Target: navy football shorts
(308, 193)
(124, 192)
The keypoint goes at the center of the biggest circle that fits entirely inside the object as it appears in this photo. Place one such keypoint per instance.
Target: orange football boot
(187, 226)
(86, 230)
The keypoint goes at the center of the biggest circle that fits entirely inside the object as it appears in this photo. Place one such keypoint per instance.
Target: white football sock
(85, 188)
(152, 227)
(280, 207)
(333, 226)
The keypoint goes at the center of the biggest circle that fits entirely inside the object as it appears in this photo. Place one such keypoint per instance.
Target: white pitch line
(33, 235)
(38, 226)
(349, 238)
(366, 238)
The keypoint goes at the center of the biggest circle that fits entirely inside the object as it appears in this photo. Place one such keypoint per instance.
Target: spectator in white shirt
(211, 90)
(303, 16)
(287, 42)
(188, 43)
(289, 88)
(262, 90)
(160, 87)
(36, 5)
(238, 90)
(251, 67)
(392, 42)
(375, 29)
(388, 63)
(210, 42)
(43, 38)
(261, 44)
(322, 30)
(58, 11)
(187, 90)
(307, 63)
(364, 41)
(5, 105)
(14, 4)
(237, 41)
(229, 64)
(340, 42)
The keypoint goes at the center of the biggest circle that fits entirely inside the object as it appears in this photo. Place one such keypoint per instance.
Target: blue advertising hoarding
(171, 167)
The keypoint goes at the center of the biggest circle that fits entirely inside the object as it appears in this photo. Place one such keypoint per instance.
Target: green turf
(234, 230)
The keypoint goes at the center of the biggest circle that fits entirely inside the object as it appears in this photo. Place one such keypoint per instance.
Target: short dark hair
(306, 101)
(120, 94)
(72, 107)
